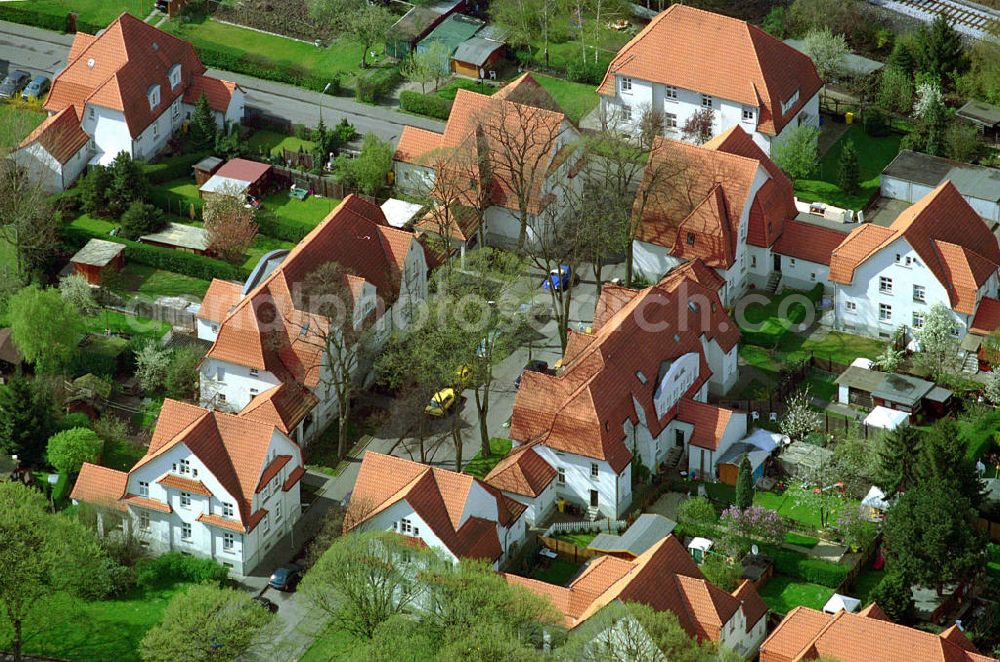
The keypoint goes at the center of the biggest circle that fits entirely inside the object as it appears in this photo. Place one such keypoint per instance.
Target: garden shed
(416, 24)
(10, 357)
(912, 175)
(204, 169)
(478, 56)
(800, 458)
(239, 177)
(178, 236)
(984, 115)
(451, 32)
(96, 256)
(757, 447)
(886, 419)
(647, 530)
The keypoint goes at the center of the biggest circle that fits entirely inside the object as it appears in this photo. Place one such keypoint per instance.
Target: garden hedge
(282, 228)
(250, 65)
(175, 567)
(373, 86)
(425, 104)
(44, 20)
(806, 568)
(173, 168)
(168, 259)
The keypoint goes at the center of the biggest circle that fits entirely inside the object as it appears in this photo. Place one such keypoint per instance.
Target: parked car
(441, 402)
(487, 343)
(534, 365)
(14, 83)
(561, 278)
(286, 577)
(36, 89)
(269, 605)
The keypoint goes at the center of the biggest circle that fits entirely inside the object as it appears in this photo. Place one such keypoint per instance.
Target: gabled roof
(709, 421)
(581, 410)
(950, 238)
(218, 93)
(100, 486)
(522, 472)
(663, 577)
(117, 68)
(60, 135)
(721, 56)
(987, 317)
(805, 241)
(807, 634)
(440, 497)
(357, 237)
(221, 296)
(283, 406)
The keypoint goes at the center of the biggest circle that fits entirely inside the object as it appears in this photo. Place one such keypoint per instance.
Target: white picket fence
(598, 526)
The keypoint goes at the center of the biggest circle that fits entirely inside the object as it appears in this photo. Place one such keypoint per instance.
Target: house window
(175, 76)
(626, 85)
(910, 260)
(186, 532)
(143, 488)
(898, 258)
(918, 320)
(143, 520)
(185, 500)
(562, 475)
(594, 470)
(222, 397)
(220, 373)
(627, 113)
(405, 526)
(690, 238)
(884, 312)
(753, 260)
(850, 306)
(185, 466)
(175, 111)
(919, 293)
(748, 114)
(787, 105)
(156, 130)
(791, 261)
(670, 92)
(885, 285)
(228, 541)
(956, 331)
(669, 120)
(266, 523)
(153, 93)
(253, 372)
(812, 277)
(227, 510)
(90, 112)
(706, 101)
(277, 511)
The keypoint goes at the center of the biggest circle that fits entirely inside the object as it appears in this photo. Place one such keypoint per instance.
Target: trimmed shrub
(235, 61)
(173, 168)
(803, 567)
(374, 85)
(23, 15)
(425, 104)
(281, 228)
(141, 218)
(588, 72)
(174, 568)
(75, 419)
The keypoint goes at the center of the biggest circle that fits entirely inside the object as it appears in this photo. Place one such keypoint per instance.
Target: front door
(679, 438)
(593, 498)
(777, 262)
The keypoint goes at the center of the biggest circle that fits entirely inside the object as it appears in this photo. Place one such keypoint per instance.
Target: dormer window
(690, 238)
(184, 467)
(153, 94)
(175, 76)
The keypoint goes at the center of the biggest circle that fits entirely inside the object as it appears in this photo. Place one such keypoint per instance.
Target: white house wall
(413, 179)
(46, 169)
(539, 506)
(385, 520)
(808, 115)
(109, 131)
(800, 274)
(236, 383)
(614, 491)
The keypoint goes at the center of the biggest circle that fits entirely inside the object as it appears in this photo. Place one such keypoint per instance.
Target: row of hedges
(252, 65)
(806, 568)
(167, 259)
(175, 568)
(24, 16)
(282, 228)
(376, 84)
(425, 104)
(172, 168)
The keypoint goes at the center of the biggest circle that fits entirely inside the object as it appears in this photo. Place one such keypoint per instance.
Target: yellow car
(463, 375)
(441, 403)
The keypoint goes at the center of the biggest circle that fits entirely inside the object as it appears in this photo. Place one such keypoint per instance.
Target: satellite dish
(754, 550)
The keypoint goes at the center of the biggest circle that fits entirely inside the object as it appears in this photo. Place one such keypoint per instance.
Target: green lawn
(874, 154)
(261, 246)
(93, 225)
(803, 512)
(451, 89)
(801, 540)
(157, 282)
(993, 564)
(782, 594)
(479, 466)
(120, 323)
(575, 99)
(822, 386)
(100, 12)
(184, 187)
(17, 121)
(982, 434)
(343, 57)
(99, 630)
(310, 211)
(840, 347)
(864, 584)
(332, 644)
(559, 572)
(264, 141)
(578, 539)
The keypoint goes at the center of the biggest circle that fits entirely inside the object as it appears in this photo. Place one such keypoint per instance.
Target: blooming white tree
(993, 387)
(76, 290)
(799, 420)
(826, 50)
(151, 363)
(929, 101)
(938, 348)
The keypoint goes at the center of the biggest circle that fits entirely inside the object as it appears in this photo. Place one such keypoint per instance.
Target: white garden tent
(887, 419)
(838, 602)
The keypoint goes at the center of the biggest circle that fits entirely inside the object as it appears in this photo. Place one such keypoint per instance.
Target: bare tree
(27, 221)
(230, 223)
(699, 126)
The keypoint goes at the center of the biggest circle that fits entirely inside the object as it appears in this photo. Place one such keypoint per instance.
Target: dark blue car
(286, 577)
(560, 279)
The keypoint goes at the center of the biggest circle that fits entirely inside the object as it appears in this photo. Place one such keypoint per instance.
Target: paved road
(41, 51)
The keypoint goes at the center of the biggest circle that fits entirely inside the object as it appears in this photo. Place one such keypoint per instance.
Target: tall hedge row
(806, 568)
(173, 168)
(425, 104)
(252, 65)
(58, 23)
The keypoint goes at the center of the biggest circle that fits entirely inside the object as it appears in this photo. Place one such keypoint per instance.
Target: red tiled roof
(522, 472)
(222, 522)
(663, 577)
(721, 56)
(807, 634)
(185, 484)
(283, 406)
(415, 143)
(243, 170)
(272, 470)
(947, 234)
(808, 242)
(709, 421)
(440, 497)
(117, 68)
(987, 317)
(581, 409)
(100, 486)
(218, 93)
(220, 298)
(294, 477)
(146, 502)
(753, 605)
(60, 135)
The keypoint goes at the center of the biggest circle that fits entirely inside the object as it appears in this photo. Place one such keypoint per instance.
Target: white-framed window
(626, 85)
(185, 531)
(184, 466)
(228, 541)
(405, 526)
(143, 488)
(227, 510)
(791, 101)
(595, 470)
(850, 306)
(153, 94)
(884, 312)
(898, 258)
(791, 261)
(90, 112)
(222, 397)
(706, 101)
(812, 277)
(175, 111)
(266, 523)
(910, 260)
(175, 76)
(918, 320)
(956, 331)
(143, 520)
(884, 285)
(185, 500)
(156, 130)
(627, 113)
(749, 114)
(277, 511)
(919, 293)
(561, 471)
(753, 261)
(669, 120)
(670, 92)
(253, 372)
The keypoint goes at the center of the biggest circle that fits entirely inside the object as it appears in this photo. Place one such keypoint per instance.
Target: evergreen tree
(26, 420)
(126, 183)
(744, 485)
(940, 51)
(893, 596)
(94, 191)
(203, 128)
(902, 56)
(897, 458)
(944, 460)
(850, 176)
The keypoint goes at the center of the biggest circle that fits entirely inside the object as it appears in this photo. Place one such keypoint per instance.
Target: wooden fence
(567, 551)
(327, 187)
(990, 527)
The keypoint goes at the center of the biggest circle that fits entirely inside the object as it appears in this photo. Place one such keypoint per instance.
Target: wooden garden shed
(96, 256)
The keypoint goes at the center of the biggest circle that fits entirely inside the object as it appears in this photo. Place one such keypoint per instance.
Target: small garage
(912, 175)
(481, 55)
(95, 257)
(451, 32)
(757, 448)
(240, 177)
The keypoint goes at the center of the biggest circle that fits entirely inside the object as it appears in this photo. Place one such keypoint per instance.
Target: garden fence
(599, 525)
(327, 187)
(568, 551)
